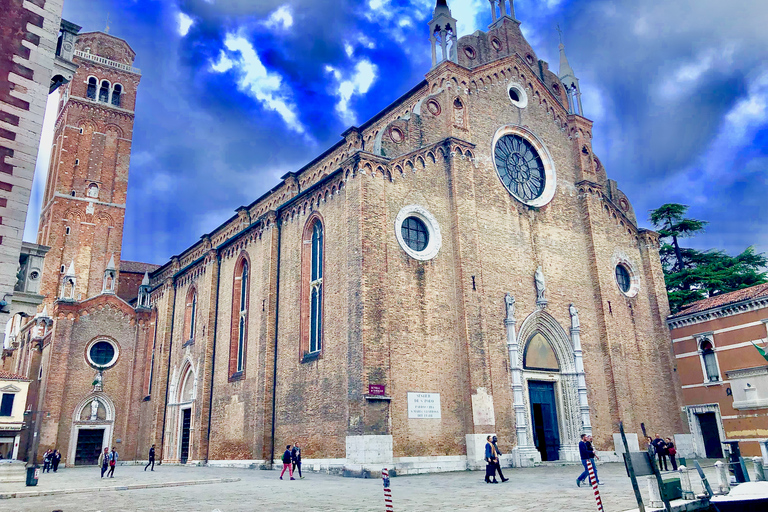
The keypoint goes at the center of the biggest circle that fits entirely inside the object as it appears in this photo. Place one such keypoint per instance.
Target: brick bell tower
(85, 195)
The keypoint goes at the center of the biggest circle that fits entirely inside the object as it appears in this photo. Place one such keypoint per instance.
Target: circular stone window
(434, 107)
(102, 354)
(517, 95)
(625, 280)
(469, 52)
(524, 166)
(529, 59)
(496, 44)
(418, 233)
(396, 134)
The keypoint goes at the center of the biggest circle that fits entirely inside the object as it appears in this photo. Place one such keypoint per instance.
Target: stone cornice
(745, 306)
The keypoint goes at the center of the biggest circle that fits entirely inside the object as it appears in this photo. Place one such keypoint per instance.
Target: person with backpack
(287, 463)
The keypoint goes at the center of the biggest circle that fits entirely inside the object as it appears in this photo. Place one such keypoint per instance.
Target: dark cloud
(671, 87)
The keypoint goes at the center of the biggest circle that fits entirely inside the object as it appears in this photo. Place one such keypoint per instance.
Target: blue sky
(235, 93)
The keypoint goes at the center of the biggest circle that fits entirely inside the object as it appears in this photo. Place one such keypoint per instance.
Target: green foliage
(692, 275)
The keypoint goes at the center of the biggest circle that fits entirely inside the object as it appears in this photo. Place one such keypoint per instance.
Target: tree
(692, 275)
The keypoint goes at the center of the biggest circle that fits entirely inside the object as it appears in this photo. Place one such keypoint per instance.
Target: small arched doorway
(186, 401)
(540, 365)
(93, 424)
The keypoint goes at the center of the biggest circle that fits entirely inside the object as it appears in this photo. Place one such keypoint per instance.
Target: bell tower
(442, 31)
(85, 195)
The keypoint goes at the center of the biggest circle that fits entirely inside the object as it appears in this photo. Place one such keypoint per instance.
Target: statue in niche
(541, 287)
(574, 317)
(94, 409)
(97, 382)
(509, 300)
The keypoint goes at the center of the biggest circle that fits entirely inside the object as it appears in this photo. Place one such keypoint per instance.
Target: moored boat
(747, 497)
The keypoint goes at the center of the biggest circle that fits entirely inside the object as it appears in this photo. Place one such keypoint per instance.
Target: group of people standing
(493, 466)
(108, 461)
(51, 459)
(587, 453)
(291, 460)
(663, 449)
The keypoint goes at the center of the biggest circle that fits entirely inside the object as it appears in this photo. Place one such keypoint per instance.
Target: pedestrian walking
(296, 458)
(494, 441)
(490, 460)
(55, 459)
(47, 461)
(587, 453)
(112, 462)
(287, 463)
(672, 452)
(661, 451)
(151, 458)
(104, 461)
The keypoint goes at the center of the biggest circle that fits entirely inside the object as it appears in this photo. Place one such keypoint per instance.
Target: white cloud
(185, 22)
(281, 18)
(256, 80)
(357, 83)
(349, 49)
(688, 75)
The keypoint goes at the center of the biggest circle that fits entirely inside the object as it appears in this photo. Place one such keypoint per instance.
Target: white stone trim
(621, 258)
(727, 329)
(99, 340)
(520, 90)
(695, 427)
(705, 384)
(550, 173)
(433, 228)
(735, 308)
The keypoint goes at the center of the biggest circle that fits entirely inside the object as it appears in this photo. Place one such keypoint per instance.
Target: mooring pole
(631, 469)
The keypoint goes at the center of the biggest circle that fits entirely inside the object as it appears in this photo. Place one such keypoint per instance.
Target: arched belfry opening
(549, 389)
(443, 34)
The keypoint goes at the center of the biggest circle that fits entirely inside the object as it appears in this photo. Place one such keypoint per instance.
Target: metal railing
(106, 62)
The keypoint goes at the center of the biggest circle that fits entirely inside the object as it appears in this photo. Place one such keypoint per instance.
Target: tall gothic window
(239, 329)
(104, 92)
(312, 289)
(116, 91)
(190, 312)
(92, 84)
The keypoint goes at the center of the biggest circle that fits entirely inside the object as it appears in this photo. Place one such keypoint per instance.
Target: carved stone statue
(97, 382)
(574, 317)
(94, 409)
(541, 287)
(509, 300)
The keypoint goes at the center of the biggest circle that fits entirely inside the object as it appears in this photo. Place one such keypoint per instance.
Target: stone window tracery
(239, 327)
(190, 312)
(312, 319)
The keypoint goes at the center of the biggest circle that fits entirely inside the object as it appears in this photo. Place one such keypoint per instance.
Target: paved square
(551, 488)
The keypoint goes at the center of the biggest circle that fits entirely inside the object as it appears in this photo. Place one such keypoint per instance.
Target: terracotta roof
(4, 375)
(753, 292)
(137, 267)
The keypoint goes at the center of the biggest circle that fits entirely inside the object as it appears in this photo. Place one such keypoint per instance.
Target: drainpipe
(277, 317)
(213, 356)
(168, 373)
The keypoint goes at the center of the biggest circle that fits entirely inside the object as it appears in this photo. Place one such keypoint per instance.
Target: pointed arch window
(116, 92)
(312, 289)
(239, 329)
(92, 85)
(104, 92)
(190, 313)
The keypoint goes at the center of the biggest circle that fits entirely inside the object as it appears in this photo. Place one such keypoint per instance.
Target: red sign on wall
(377, 389)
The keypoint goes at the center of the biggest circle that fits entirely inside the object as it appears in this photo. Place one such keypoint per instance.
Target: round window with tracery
(102, 354)
(520, 167)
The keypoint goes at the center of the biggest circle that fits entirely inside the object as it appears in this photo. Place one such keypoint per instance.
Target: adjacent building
(724, 377)
(13, 399)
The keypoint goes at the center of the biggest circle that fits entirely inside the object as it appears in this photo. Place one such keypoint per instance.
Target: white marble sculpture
(541, 287)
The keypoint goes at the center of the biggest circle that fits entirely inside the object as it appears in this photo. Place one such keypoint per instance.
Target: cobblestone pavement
(551, 488)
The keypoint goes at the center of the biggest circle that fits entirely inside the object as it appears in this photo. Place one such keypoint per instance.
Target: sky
(235, 93)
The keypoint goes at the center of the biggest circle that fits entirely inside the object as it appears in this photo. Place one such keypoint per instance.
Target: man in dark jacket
(498, 459)
(490, 459)
(151, 459)
(661, 451)
(296, 458)
(587, 454)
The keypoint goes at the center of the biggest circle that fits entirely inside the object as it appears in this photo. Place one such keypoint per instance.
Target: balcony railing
(107, 62)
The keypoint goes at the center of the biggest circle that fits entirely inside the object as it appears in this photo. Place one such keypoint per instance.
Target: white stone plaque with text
(424, 405)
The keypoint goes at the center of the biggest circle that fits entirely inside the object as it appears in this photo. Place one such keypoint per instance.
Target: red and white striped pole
(387, 491)
(593, 481)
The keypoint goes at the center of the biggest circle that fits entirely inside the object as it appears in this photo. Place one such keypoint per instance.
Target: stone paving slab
(545, 488)
(51, 492)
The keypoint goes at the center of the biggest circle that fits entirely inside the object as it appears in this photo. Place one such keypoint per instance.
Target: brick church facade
(459, 265)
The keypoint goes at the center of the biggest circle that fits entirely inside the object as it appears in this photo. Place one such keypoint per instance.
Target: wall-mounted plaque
(424, 405)
(377, 389)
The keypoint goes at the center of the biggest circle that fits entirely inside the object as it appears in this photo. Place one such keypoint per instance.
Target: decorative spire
(145, 281)
(69, 285)
(143, 298)
(568, 77)
(111, 264)
(442, 30)
(71, 269)
(110, 276)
